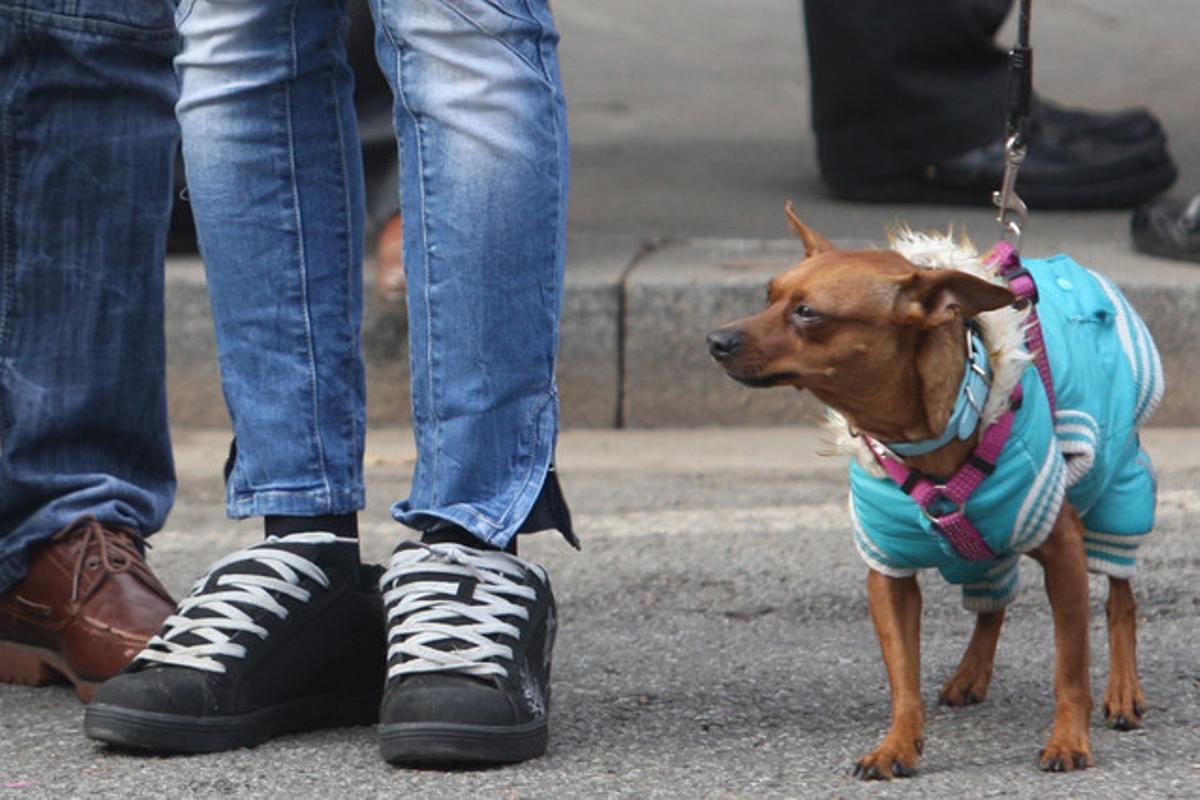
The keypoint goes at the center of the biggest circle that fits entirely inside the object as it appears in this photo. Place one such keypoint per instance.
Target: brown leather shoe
(389, 258)
(87, 606)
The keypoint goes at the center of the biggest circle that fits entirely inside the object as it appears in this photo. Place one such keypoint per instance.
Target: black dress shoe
(1168, 227)
(1126, 126)
(1075, 160)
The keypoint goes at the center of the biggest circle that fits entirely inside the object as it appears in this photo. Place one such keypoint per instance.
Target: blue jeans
(275, 178)
(87, 138)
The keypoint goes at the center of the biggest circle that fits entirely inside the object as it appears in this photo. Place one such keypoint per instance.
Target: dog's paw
(1124, 704)
(965, 688)
(889, 761)
(1065, 758)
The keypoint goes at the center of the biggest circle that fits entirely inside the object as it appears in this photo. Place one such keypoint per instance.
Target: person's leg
(275, 179)
(86, 141)
(909, 102)
(288, 634)
(83, 415)
(484, 163)
(897, 85)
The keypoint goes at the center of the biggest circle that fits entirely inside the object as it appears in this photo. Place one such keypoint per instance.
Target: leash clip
(1013, 213)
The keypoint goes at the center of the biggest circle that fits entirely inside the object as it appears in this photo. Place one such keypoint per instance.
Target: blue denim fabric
(274, 176)
(273, 168)
(87, 138)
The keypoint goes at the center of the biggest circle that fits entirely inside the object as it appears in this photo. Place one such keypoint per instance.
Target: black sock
(344, 525)
(453, 534)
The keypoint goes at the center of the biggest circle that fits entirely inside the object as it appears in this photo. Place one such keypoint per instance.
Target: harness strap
(962, 535)
(1022, 285)
(954, 525)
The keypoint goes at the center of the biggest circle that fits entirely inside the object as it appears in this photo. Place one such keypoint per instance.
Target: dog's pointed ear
(813, 242)
(932, 297)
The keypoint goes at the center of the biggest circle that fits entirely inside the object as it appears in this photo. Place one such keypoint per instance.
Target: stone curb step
(632, 351)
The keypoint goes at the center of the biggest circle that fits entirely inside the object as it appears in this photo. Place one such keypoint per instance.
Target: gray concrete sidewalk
(632, 342)
(714, 641)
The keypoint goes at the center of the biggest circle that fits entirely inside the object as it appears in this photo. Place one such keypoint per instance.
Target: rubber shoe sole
(1122, 192)
(450, 743)
(174, 733)
(37, 666)
(1153, 246)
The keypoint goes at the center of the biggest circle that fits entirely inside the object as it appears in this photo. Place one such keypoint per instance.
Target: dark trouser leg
(897, 85)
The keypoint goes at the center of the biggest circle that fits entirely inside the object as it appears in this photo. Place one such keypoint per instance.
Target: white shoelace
(422, 613)
(214, 617)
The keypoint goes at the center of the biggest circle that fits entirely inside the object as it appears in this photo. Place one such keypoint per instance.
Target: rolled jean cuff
(465, 517)
(294, 502)
(493, 516)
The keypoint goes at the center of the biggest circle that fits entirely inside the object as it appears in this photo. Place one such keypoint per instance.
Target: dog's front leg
(1062, 557)
(896, 610)
(969, 683)
(1124, 701)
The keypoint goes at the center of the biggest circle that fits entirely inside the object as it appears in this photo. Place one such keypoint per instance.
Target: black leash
(1020, 86)
(1013, 213)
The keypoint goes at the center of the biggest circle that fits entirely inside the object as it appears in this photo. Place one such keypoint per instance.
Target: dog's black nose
(724, 343)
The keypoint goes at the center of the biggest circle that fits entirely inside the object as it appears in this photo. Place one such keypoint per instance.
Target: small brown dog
(905, 345)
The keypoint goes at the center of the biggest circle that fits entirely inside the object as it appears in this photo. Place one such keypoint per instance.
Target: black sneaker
(284, 636)
(470, 634)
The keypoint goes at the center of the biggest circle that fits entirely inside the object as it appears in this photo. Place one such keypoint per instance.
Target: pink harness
(954, 525)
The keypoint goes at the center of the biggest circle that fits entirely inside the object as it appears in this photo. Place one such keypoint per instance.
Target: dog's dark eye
(805, 314)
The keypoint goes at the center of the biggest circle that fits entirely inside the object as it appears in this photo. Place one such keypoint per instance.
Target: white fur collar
(1003, 332)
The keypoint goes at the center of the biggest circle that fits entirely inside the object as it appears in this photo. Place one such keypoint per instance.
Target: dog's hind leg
(1062, 557)
(896, 611)
(969, 683)
(1124, 702)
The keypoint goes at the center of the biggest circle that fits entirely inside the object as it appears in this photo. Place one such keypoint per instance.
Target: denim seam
(541, 37)
(505, 12)
(536, 416)
(350, 236)
(561, 135)
(302, 252)
(402, 96)
(536, 413)
(499, 40)
(500, 522)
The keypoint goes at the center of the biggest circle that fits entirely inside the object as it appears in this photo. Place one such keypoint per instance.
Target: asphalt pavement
(714, 642)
